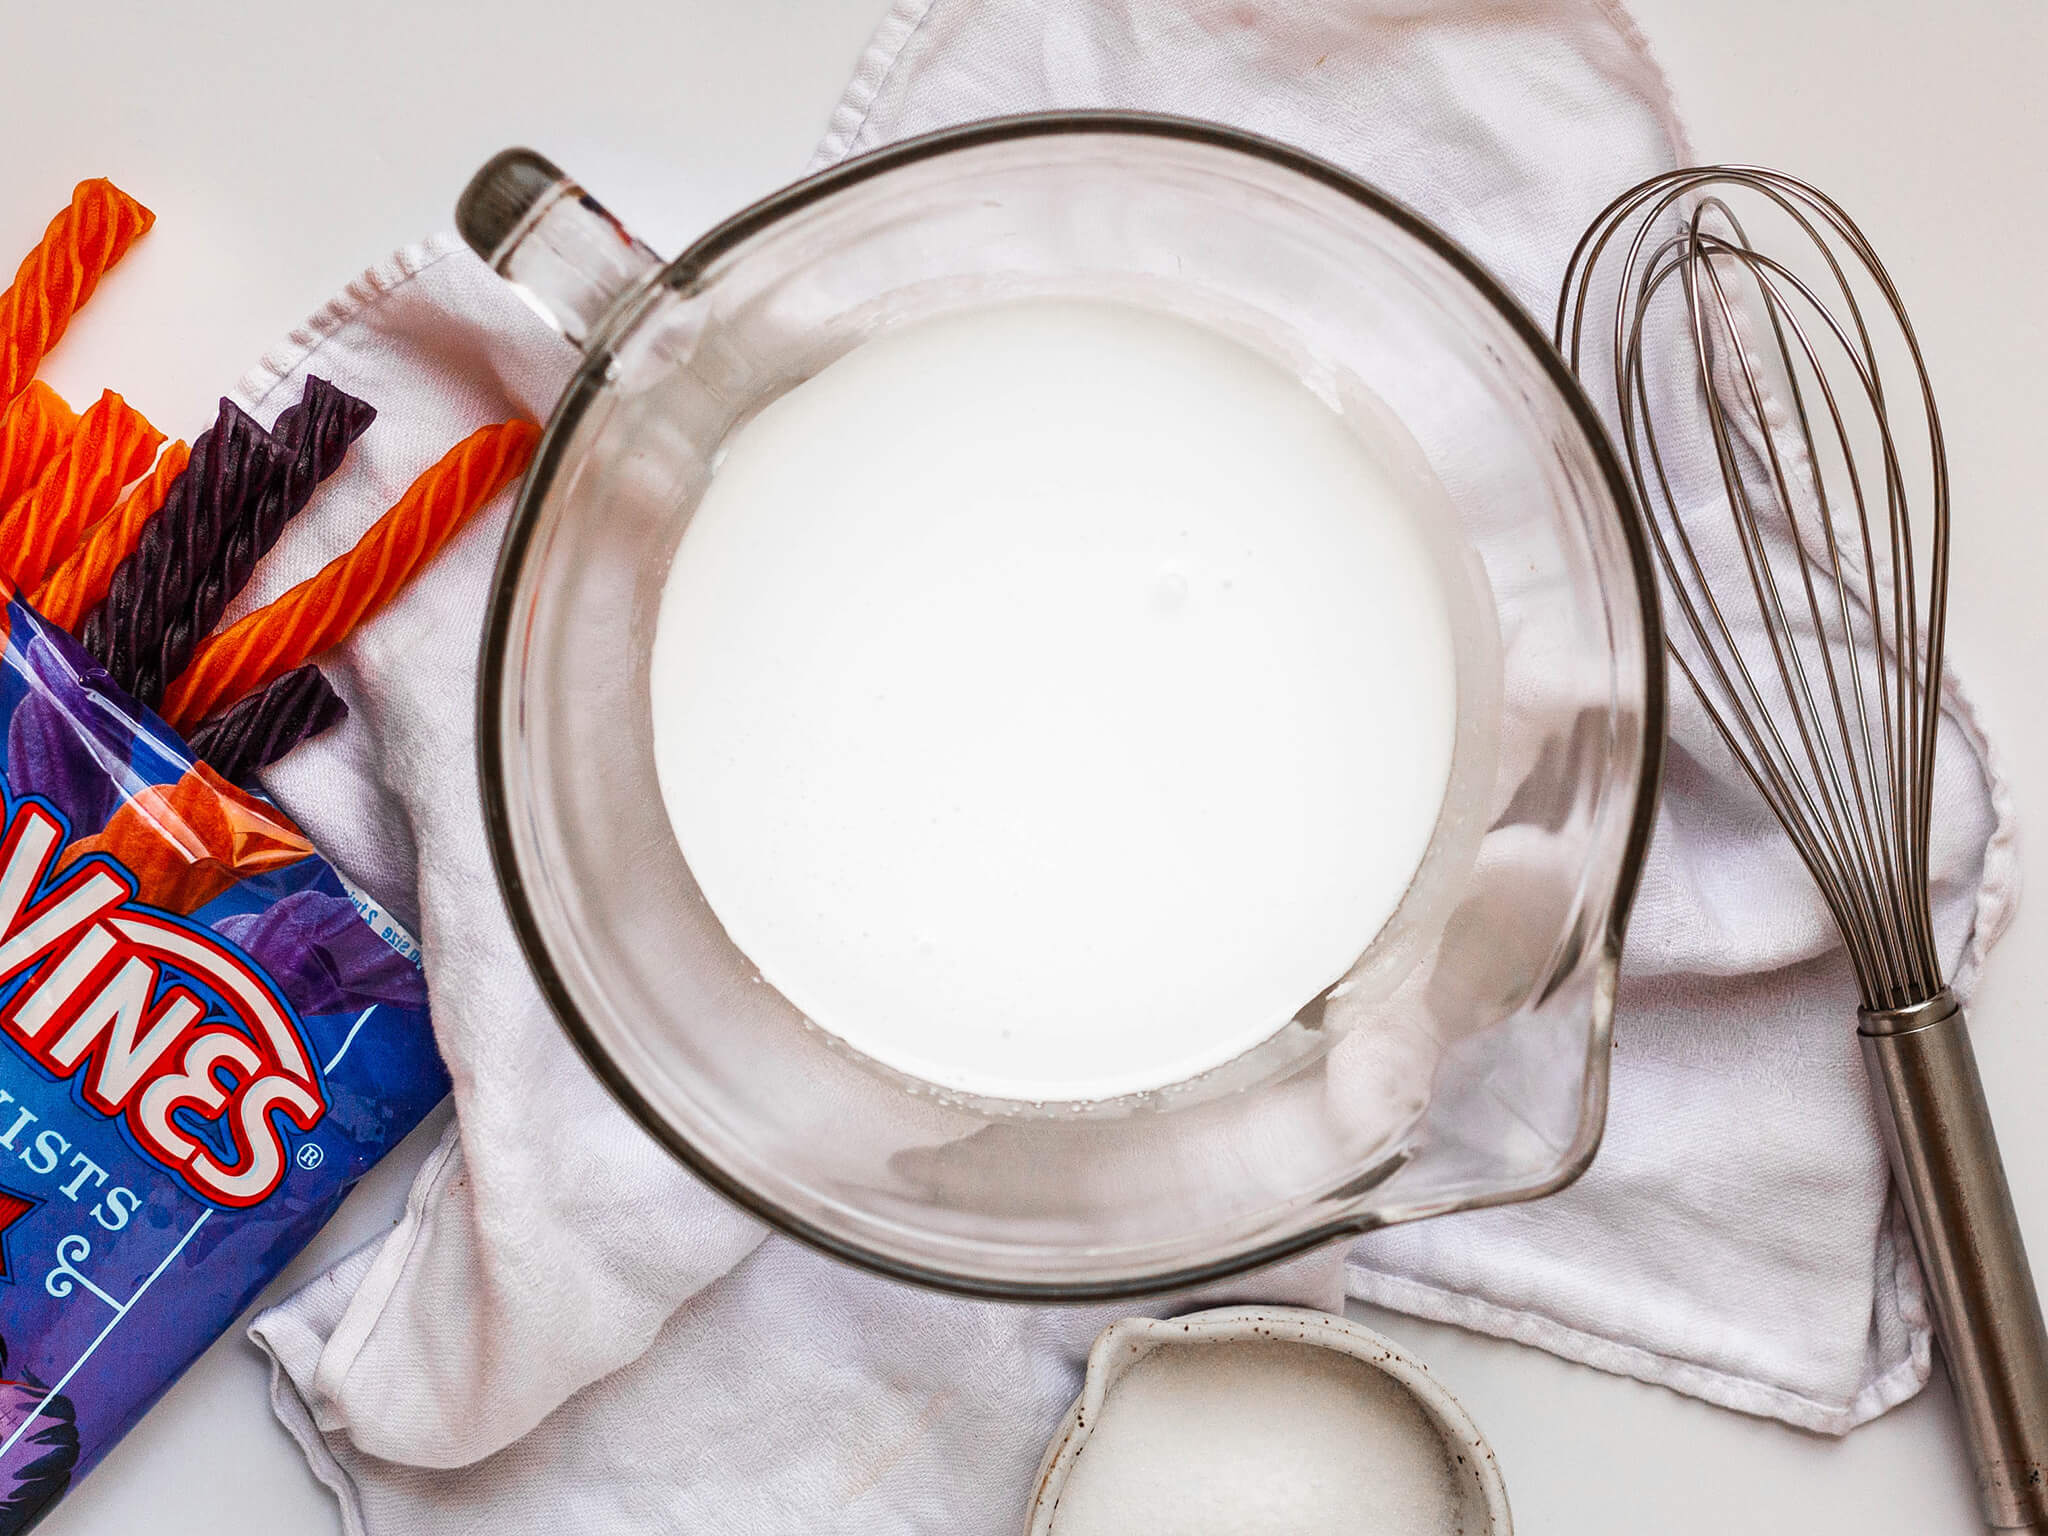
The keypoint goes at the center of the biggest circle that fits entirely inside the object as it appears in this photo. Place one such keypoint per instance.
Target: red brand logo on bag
(150, 1015)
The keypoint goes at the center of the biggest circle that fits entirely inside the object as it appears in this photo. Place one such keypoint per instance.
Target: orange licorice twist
(76, 587)
(113, 444)
(323, 609)
(58, 276)
(33, 431)
(187, 842)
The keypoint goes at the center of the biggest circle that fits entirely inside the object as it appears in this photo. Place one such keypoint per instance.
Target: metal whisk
(1779, 471)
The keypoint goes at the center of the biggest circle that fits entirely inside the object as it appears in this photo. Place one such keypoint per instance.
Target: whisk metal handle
(1937, 1128)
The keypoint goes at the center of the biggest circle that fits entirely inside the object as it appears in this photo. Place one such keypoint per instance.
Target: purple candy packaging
(205, 1040)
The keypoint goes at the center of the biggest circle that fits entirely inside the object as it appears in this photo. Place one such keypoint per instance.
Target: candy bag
(205, 1038)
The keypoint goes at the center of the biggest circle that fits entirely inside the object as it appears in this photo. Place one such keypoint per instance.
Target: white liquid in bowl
(1051, 699)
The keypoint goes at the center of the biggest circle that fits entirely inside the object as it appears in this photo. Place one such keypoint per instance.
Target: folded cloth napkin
(565, 1331)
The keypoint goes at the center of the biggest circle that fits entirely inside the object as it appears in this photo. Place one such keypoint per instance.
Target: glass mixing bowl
(1461, 1062)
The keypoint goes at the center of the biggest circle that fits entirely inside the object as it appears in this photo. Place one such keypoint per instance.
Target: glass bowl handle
(553, 242)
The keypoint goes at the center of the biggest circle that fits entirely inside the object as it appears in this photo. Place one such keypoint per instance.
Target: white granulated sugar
(1259, 1439)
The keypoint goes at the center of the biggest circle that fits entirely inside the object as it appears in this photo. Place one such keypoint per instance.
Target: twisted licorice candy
(323, 609)
(255, 732)
(147, 612)
(58, 276)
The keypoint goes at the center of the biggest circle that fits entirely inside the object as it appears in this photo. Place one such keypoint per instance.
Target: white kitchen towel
(566, 1332)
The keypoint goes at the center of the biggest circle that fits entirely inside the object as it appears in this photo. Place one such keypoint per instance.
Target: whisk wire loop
(1809, 626)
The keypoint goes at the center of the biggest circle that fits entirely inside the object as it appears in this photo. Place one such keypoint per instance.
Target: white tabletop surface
(286, 145)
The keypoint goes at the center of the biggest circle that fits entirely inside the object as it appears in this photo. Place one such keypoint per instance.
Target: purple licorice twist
(255, 732)
(38, 1466)
(61, 744)
(152, 590)
(317, 947)
(316, 433)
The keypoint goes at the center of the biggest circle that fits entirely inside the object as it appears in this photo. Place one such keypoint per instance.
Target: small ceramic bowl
(1477, 1498)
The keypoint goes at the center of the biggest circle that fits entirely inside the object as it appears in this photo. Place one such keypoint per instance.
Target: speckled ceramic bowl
(1478, 1499)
